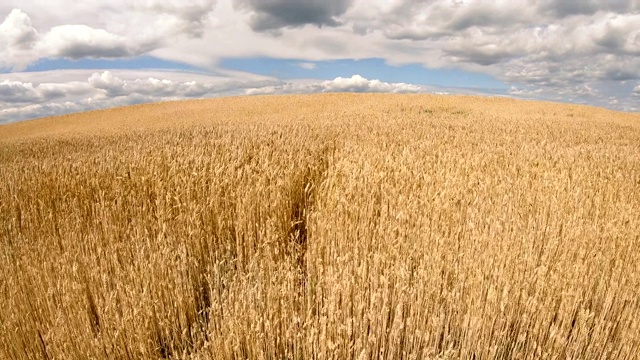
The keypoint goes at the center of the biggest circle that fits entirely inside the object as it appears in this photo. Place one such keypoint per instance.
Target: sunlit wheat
(327, 226)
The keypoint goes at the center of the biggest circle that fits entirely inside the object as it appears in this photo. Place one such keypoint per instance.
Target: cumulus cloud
(106, 81)
(356, 83)
(17, 92)
(17, 30)
(39, 110)
(553, 49)
(24, 99)
(636, 91)
(81, 41)
(17, 39)
(422, 20)
(359, 84)
(276, 14)
(188, 16)
(555, 45)
(139, 30)
(22, 44)
(113, 86)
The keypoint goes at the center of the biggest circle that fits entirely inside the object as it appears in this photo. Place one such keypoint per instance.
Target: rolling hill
(322, 226)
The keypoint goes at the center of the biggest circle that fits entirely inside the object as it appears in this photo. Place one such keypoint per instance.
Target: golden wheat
(324, 227)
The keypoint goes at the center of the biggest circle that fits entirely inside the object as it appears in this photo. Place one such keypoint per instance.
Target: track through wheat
(325, 226)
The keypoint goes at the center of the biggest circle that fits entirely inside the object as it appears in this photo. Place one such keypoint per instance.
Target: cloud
(22, 98)
(39, 110)
(17, 92)
(81, 41)
(188, 16)
(143, 29)
(16, 30)
(636, 91)
(556, 45)
(106, 81)
(359, 84)
(276, 14)
(114, 86)
(562, 8)
(17, 39)
(438, 20)
(526, 93)
(549, 49)
(356, 83)
(584, 90)
(23, 45)
(307, 65)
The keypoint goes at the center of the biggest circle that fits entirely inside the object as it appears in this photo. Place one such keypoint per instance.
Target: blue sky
(289, 69)
(58, 57)
(373, 68)
(140, 62)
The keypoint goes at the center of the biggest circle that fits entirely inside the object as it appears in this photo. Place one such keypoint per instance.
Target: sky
(63, 56)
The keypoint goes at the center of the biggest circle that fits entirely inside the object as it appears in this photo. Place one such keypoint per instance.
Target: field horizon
(326, 226)
(159, 113)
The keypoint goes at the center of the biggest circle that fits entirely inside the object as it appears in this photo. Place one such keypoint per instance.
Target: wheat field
(334, 226)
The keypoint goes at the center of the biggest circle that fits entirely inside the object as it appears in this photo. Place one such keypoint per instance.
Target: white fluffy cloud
(21, 44)
(81, 41)
(356, 83)
(113, 86)
(582, 51)
(17, 40)
(22, 98)
(17, 92)
(496, 37)
(137, 29)
(16, 30)
(359, 84)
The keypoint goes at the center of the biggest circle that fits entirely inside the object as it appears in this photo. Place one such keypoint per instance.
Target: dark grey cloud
(269, 15)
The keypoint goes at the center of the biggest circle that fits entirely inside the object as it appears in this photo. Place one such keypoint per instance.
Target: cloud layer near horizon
(586, 51)
(25, 100)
